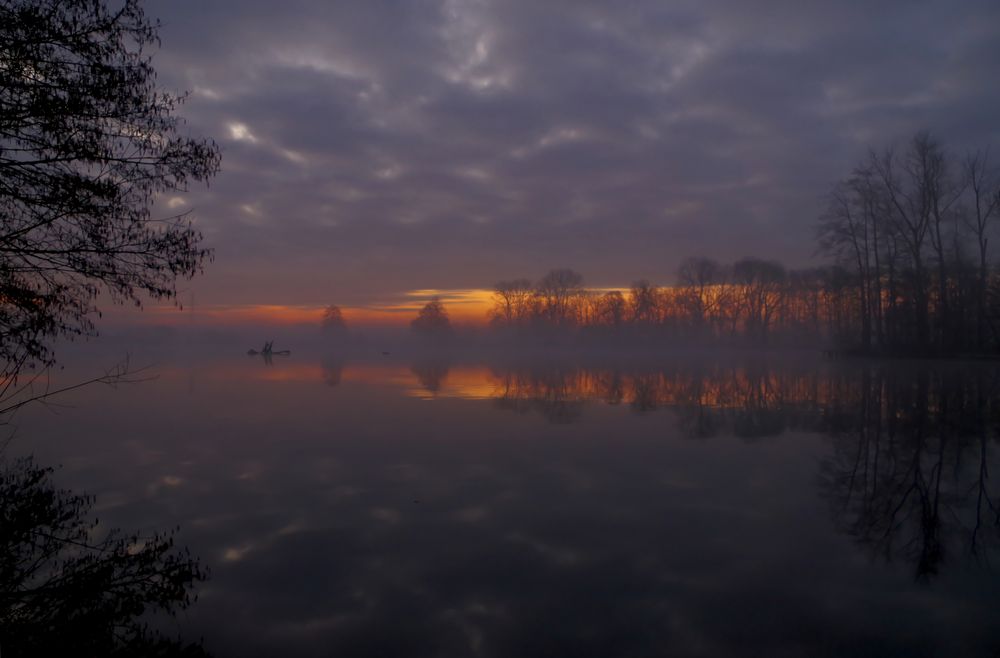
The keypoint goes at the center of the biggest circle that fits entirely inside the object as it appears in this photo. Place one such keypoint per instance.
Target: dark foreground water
(422, 507)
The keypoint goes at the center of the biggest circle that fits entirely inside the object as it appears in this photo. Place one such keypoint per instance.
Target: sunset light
(499, 328)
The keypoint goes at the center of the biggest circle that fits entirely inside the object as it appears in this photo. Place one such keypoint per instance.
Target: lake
(427, 505)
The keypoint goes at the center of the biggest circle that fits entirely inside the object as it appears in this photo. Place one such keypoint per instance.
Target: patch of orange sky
(465, 306)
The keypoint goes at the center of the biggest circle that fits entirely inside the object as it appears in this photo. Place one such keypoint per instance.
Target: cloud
(445, 144)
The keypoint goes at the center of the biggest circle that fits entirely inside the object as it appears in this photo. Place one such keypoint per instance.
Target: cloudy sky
(377, 146)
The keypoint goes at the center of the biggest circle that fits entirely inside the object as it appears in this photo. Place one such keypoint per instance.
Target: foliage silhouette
(87, 143)
(432, 321)
(333, 320)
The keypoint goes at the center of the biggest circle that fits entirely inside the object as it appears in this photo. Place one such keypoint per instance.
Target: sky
(376, 147)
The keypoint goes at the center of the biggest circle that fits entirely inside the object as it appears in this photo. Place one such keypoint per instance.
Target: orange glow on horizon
(464, 306)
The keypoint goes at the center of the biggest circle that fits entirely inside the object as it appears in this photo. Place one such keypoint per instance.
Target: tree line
(749, 300)
(912, 227)
(907, 235)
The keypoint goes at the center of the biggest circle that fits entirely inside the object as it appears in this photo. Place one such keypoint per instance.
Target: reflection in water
(562, 510)
(333, 370)
(557, 394)
(912, 448)
(67, 587)
(909, 473)
(431, 374)
(748, 402)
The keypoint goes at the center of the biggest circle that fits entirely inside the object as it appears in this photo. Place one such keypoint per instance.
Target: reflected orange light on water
(727, 389)
(467, 382)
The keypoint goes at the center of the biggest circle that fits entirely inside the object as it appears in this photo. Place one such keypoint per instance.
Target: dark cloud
(378, 146)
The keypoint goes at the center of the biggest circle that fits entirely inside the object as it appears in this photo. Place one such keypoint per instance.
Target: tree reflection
(749, 402)
(912, 447)
(333, 370)
(554, 392)
(909, 474)
(431, 374)
(69, 588)
(760, 408)
(645, 392)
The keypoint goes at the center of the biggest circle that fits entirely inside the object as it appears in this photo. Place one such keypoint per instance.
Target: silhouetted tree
(432, 320)
(901, 230)
(761, 292)
(558, 292)
(87, 142)
(904, 223)
(612, 309)
(984, 184)
(849, 231)
(643, 303)
(699, 279)
(905, 180)
(512, 302)
(333, 320)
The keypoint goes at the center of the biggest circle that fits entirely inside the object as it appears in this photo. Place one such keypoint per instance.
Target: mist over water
(505, 329)
(444, 501)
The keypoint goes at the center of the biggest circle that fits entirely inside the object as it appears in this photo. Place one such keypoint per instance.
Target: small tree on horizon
(333, 320)
(432, 320)
(512, 302)
(559, 292)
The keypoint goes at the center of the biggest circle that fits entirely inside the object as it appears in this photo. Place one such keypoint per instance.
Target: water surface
(420, 506)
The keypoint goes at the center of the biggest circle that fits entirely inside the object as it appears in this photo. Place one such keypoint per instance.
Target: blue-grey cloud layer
(384, 145)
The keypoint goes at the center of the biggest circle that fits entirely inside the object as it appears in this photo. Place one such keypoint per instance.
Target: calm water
(424, 507)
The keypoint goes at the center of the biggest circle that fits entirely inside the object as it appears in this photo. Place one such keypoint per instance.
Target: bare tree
(911, 221)
(697, 277)
(984, 184)
(761, 290)
(557, 292)
(921, 195)
(643, 303)
(87, 142)
(942, 191)
(849, 232)
(511, 302)
(612, 308)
